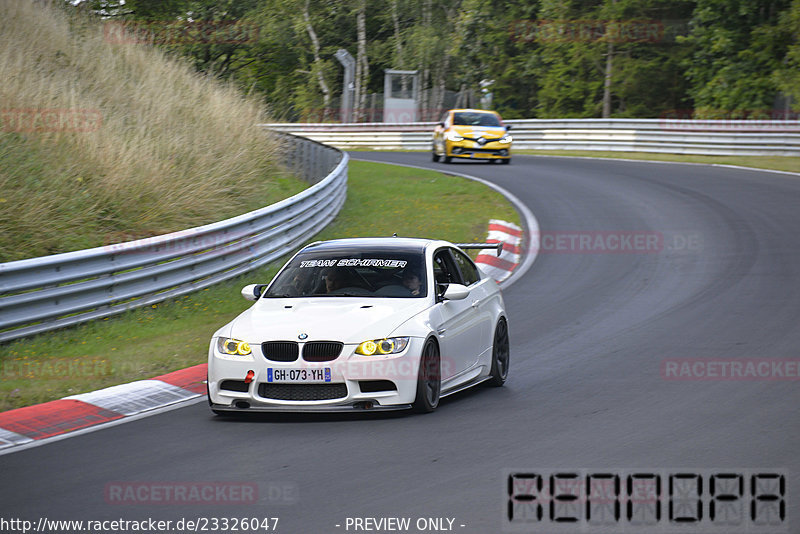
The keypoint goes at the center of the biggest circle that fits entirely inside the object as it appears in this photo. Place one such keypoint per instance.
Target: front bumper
(471, 149)
(355, 407)
(352, 382)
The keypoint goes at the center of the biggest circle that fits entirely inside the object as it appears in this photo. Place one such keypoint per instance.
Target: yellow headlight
(367, 348)
(233, 346)
(392, 345)
(385, 346)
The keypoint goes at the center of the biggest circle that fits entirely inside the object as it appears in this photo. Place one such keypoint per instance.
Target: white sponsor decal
(354, 262)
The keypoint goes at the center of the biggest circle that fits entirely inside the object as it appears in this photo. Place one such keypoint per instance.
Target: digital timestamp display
(644, 500)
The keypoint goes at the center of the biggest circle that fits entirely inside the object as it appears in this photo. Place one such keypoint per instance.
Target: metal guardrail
(41, 294)
(678, 136)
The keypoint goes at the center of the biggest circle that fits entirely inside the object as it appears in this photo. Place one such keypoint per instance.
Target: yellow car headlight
(453, 136)
(392, 345)
(506, 139)
(233, 346)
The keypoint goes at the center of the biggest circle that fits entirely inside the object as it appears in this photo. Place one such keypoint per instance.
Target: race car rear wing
(481, 246)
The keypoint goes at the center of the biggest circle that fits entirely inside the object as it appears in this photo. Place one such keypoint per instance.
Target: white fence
(677, 136)
(41, 294)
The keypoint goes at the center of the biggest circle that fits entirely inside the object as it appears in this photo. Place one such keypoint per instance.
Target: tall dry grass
(161, 147)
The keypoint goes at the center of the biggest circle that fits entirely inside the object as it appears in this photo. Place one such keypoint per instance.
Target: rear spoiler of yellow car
(481, 246)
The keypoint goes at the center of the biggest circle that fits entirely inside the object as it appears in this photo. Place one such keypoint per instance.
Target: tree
(737, 45)
(362, 63)
(548, 58)
(317, 66)
(787, 75)
(601, 58)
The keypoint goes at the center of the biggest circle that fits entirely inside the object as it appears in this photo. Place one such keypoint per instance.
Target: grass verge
(778, 163)
(117, 141)
(382, 199)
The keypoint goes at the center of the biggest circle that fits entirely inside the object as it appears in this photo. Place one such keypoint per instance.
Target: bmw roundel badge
(302, 336)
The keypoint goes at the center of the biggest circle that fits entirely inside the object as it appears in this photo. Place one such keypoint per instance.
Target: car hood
(478, 131)
(345, 319)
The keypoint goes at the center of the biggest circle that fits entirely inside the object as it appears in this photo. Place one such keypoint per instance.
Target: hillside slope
(103, 142)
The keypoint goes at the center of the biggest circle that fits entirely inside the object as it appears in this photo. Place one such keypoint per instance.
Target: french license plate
(298, 375)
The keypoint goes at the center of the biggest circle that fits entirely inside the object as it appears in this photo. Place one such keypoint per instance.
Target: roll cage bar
(481, 246)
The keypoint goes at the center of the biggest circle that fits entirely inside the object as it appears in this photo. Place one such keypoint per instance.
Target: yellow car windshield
(466, 118)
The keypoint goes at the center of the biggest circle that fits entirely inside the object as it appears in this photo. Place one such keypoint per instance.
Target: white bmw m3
(362, 324)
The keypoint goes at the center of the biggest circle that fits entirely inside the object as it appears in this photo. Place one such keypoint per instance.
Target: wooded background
(547, 58)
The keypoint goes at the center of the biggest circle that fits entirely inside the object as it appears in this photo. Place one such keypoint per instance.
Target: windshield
(465, 118)
(362, 273)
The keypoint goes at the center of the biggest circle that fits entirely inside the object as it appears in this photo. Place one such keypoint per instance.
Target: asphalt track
(591, 334)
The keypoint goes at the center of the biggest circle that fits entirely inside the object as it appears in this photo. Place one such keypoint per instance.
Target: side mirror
(441, 124)
(508, 127)
(253, 291)
(456, 292)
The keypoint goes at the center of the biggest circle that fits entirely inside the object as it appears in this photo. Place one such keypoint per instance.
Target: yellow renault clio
(472, 134)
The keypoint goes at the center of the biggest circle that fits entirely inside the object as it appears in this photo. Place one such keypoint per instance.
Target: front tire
(500, 354)
(434, 155)
(429, 379)
(445, 157)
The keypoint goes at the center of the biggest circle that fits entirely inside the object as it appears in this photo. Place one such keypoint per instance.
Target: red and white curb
(76, 412)
(500, 267)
